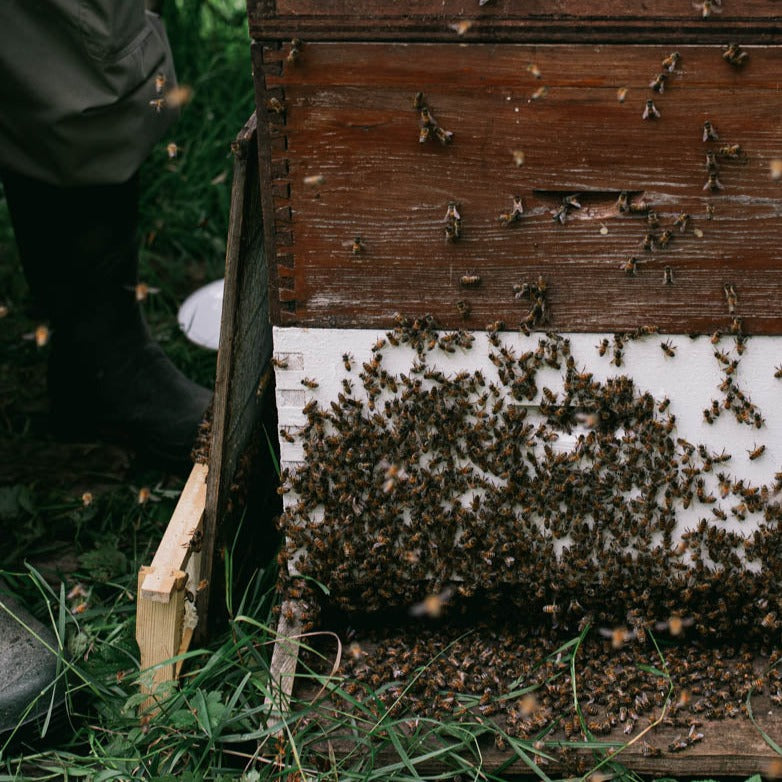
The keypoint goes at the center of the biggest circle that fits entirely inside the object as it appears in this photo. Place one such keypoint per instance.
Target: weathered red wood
(509, 20)
(348, 119)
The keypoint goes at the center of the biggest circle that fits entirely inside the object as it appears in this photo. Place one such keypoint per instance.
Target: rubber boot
(107, 377)
(28, 666)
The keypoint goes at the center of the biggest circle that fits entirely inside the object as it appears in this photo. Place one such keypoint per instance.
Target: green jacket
(79, 85)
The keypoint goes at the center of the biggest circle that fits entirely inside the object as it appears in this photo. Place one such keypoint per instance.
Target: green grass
(215, 724)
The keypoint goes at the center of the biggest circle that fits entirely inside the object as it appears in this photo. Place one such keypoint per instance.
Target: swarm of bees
(487, 497)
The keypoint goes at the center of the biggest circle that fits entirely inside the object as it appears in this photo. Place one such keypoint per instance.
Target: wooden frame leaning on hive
(174, 591)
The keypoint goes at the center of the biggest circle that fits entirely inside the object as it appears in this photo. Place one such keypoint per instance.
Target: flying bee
(650, 111)
(309, 383)
(665, 238)
(756, 452)
(671, 62)
(731, 297)
(295, 51)
(621, 94)
(157, 104)
(713, 183)
(775, 169)
(734, 55)
(708, 7)
(539, 93)
(667, 276)
(533, 69)
(709, 131)
(658, 83)
(470, 280)
(682, 221)
(668, 348)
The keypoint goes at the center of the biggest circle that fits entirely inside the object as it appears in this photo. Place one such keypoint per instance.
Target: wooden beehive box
(551, 165)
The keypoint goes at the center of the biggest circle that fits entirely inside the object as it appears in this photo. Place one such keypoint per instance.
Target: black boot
(106, 375)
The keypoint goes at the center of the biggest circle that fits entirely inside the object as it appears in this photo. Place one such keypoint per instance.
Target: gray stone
(27, 667)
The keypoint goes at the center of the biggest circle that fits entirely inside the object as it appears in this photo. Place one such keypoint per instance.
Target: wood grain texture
(245, 344)
(348, 119)
(729, 746)
(509, 20)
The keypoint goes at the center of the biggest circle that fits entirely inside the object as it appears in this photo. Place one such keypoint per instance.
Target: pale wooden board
(173, 552)
(690, 380)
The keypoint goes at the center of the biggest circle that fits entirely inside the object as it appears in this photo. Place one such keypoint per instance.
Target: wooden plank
(282, 669)
(603, 21)
(348, 119)
(730, 747)
(174, 551)
(245, 345)
(159, 633)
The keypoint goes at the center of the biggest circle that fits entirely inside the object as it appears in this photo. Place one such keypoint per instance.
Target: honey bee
(462, 26)
(650, 111)
(648, 242)
(756, 452)
(295, 51)
(157, 104)
(664, 404)
(464, 308)
(667, 276)
(682, 221)
(309, 383)
(709, 131)
(287, 436)
(274, 104)
(533, 69)
(602, 347)
(630, 266)
(179, 96)
(665, 238)
(453, 222)
(658, 83)
(470, 280)
(515, 214)
(172, 150)
(730, 297)
(713, 183)
(668, 349)
(358, 246)
(711, 161)
(720, 514)
(732, 152)
(708, 7)
(734, 55)
(347, 360)
(671, 62)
